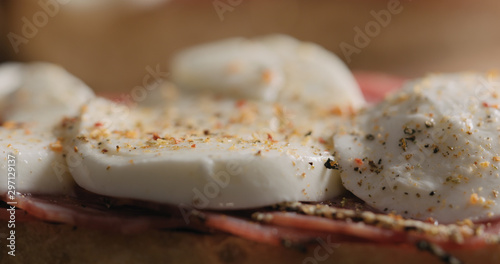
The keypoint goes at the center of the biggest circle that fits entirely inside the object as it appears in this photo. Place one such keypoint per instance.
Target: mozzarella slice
(430, 150)
(40, 165)
(234, 67)
(40, 96)
(44, 93)
(313, 75)
(10, 80)
(274, 68)
(201, 151)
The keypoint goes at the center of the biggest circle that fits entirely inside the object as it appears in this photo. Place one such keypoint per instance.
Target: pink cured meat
(375, 86)
(281, 227)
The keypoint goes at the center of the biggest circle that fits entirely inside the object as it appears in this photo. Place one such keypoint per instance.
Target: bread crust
(40, 242)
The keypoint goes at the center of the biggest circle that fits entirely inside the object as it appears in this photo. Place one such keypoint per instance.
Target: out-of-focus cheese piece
(201, 151)
(235, 67)
(10, 80)
(313, 75)
(45, 93)
(275, 68)
(40, 95)
(430, 150)
(39, 163)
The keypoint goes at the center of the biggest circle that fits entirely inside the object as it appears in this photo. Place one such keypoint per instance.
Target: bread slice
(41, 242)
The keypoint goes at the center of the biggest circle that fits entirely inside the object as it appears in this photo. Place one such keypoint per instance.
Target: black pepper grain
(332, 164)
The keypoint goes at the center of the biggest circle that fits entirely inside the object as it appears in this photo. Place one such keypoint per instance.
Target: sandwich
(251, 150)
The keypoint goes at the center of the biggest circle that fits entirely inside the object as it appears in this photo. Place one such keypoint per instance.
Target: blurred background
(110, 43)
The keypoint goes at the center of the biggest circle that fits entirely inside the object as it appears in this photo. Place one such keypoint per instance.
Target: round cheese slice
(429, 151)
(34, 99)
(201, 151)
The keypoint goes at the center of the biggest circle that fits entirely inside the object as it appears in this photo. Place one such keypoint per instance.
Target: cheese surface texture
(34, 100)
(429, 150)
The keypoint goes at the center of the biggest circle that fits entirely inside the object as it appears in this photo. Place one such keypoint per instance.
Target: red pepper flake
(485, 104)
(98, 124)
(155, 136)
(270, 138)
(240, 103)
(104, 151)
(321, 140)
(358, 162)
(193, 146)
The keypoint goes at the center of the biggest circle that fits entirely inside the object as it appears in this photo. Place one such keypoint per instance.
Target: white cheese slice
(431, 150)
(10, 80)
(234, 67)
(201, 151)
(40, 95)
(44, 93)
(39, 163)
(313, 75)
(274, 68)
